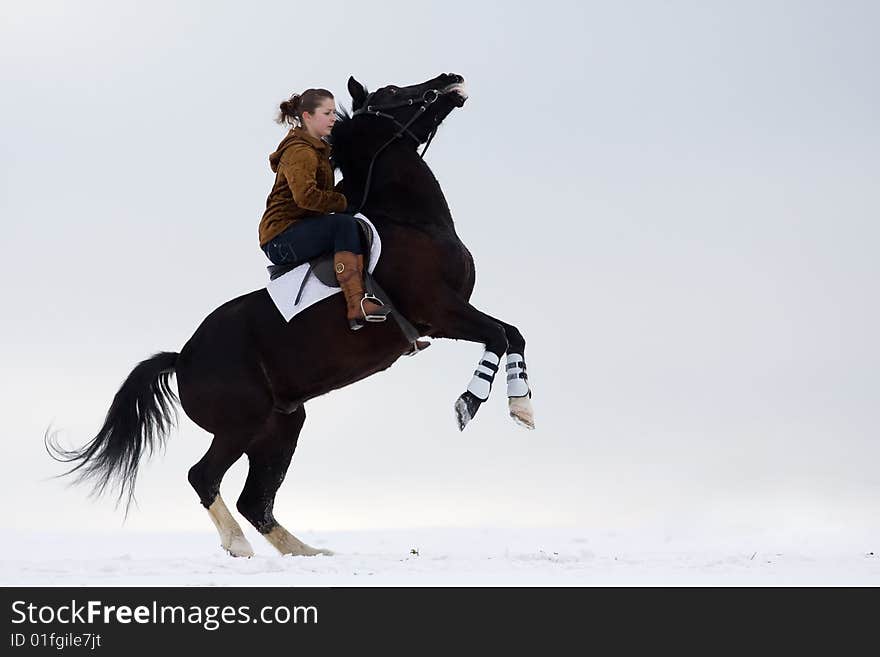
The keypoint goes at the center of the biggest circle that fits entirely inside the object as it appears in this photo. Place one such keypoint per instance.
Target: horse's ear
(358, 93)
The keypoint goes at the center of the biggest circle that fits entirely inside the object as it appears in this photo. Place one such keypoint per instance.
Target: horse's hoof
(289, 545)
(521, 411)
(466, 407)
(239, 547)
(307, 551)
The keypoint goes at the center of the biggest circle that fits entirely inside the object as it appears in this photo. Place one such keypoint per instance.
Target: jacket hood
(296, 136)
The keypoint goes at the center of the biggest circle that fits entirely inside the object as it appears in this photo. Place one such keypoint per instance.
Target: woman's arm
(298, 168)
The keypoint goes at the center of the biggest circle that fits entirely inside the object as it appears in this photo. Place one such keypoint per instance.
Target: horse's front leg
(519, 395)
(459, 320)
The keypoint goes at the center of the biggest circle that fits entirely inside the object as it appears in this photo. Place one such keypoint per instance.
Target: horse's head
(420, 107)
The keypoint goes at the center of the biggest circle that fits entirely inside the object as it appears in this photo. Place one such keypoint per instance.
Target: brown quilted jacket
(304, 184)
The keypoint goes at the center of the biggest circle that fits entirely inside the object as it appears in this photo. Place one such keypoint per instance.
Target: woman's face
(320, 123)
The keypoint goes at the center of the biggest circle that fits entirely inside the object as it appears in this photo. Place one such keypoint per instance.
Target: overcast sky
(676, 202)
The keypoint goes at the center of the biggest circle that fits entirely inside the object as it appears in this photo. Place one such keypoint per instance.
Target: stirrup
(375, 317)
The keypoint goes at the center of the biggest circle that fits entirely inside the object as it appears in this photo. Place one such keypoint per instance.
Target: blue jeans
(314, 236)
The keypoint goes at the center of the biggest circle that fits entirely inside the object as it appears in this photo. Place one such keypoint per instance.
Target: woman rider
(305, 217)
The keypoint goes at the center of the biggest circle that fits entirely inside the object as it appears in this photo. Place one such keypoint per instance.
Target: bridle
(428, 97)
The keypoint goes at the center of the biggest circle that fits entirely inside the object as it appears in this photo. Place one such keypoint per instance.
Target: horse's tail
(139, 418)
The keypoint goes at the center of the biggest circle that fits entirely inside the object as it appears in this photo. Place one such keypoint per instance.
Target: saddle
(322, 266)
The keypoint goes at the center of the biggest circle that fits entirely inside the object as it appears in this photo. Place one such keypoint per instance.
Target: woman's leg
(337, 233)
(314, 236)
(346, 234)
(348, 263)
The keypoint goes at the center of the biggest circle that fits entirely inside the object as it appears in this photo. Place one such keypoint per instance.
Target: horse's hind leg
(205, 478)
(269, 455)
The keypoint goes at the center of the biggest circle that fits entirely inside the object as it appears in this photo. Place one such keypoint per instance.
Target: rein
(427, 99)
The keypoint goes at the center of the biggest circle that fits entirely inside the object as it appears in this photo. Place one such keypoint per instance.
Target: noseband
(427, 99)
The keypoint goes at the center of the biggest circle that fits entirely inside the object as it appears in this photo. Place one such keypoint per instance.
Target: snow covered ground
(448, 557)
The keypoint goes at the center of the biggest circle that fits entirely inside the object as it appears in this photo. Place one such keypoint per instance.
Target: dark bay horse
(245, 374)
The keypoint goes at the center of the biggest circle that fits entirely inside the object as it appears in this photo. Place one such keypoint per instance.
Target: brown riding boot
(349, 268)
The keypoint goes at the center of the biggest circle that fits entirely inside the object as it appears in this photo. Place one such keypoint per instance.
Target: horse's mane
(342, 121)
(341, 138)
(343, 114)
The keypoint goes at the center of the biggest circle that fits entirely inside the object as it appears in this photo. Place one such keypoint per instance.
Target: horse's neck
(414, 195)
(404, 189)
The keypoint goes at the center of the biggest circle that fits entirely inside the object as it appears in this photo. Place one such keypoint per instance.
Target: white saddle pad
(284, 289)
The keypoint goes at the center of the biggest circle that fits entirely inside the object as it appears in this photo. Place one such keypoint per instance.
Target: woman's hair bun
(290, 105)
(293, 107)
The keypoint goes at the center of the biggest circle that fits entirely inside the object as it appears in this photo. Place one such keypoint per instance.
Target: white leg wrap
(517, 379)
(481, 384)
